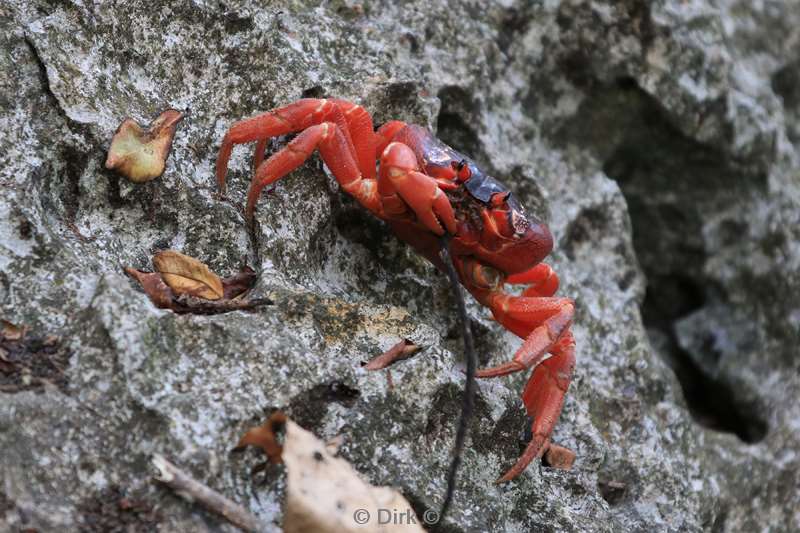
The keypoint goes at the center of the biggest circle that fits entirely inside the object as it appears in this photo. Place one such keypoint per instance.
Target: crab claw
(428, 202)
(400, 177)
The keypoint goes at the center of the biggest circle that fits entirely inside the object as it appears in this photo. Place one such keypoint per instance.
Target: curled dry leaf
(138, 154)
(187, 275)
(326, 495)
(153, 284)
(265, 437)
(559, 457)
(195, 289)
(238, 284)
(402, 350)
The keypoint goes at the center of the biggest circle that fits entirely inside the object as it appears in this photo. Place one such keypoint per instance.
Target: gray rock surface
(660, 140)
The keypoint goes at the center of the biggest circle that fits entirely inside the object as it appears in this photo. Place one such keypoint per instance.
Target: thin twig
(469, 386)
(184, 304)
(193, 490)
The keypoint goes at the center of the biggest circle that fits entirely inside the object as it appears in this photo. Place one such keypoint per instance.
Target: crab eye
(463, 172)
(498, 199)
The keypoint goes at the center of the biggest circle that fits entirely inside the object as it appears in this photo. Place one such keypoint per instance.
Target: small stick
(193, 490)
(188, 304)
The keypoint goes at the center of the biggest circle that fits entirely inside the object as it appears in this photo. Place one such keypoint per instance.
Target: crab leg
(543, 398)
(386, 133)
(258, 154)
(543, 280)
(546, 320)
(335, 150)
(359, 124)
(298, 116)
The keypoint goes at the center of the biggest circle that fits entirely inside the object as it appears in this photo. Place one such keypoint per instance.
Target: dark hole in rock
(612, 491)
(24, 227)
(671, 183)
(317, 91)
(587, 228)
(235, 23)
(786, 83)
(713, 403)
(412, 41)
(74, 161)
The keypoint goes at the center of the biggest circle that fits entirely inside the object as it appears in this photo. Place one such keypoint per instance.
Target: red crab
(423, 190)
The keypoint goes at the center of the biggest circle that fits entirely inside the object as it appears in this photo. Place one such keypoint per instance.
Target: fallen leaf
(10, 331)
(155, 288)
(165, 297)
(140, 155)
(326, 495)
(559, 457)
(238, 284)
(187, 275)
(6, 366)
(30, 361)
(402, 350)
(265, 437)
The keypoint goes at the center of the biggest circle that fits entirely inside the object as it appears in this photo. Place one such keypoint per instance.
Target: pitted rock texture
(660, 141)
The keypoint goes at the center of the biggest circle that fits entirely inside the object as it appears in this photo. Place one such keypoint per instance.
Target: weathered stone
(660, 140)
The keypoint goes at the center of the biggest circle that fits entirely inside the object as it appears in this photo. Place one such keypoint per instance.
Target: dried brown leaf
(138, 154)
(239, 283)
(164, 297)
(559, 457)
(187, 275)
(265, 437)
(326, 495)
(153, 284)
(6, 366)
(11, 331)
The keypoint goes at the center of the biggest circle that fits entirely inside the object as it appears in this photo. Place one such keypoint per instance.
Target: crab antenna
(469, 386)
